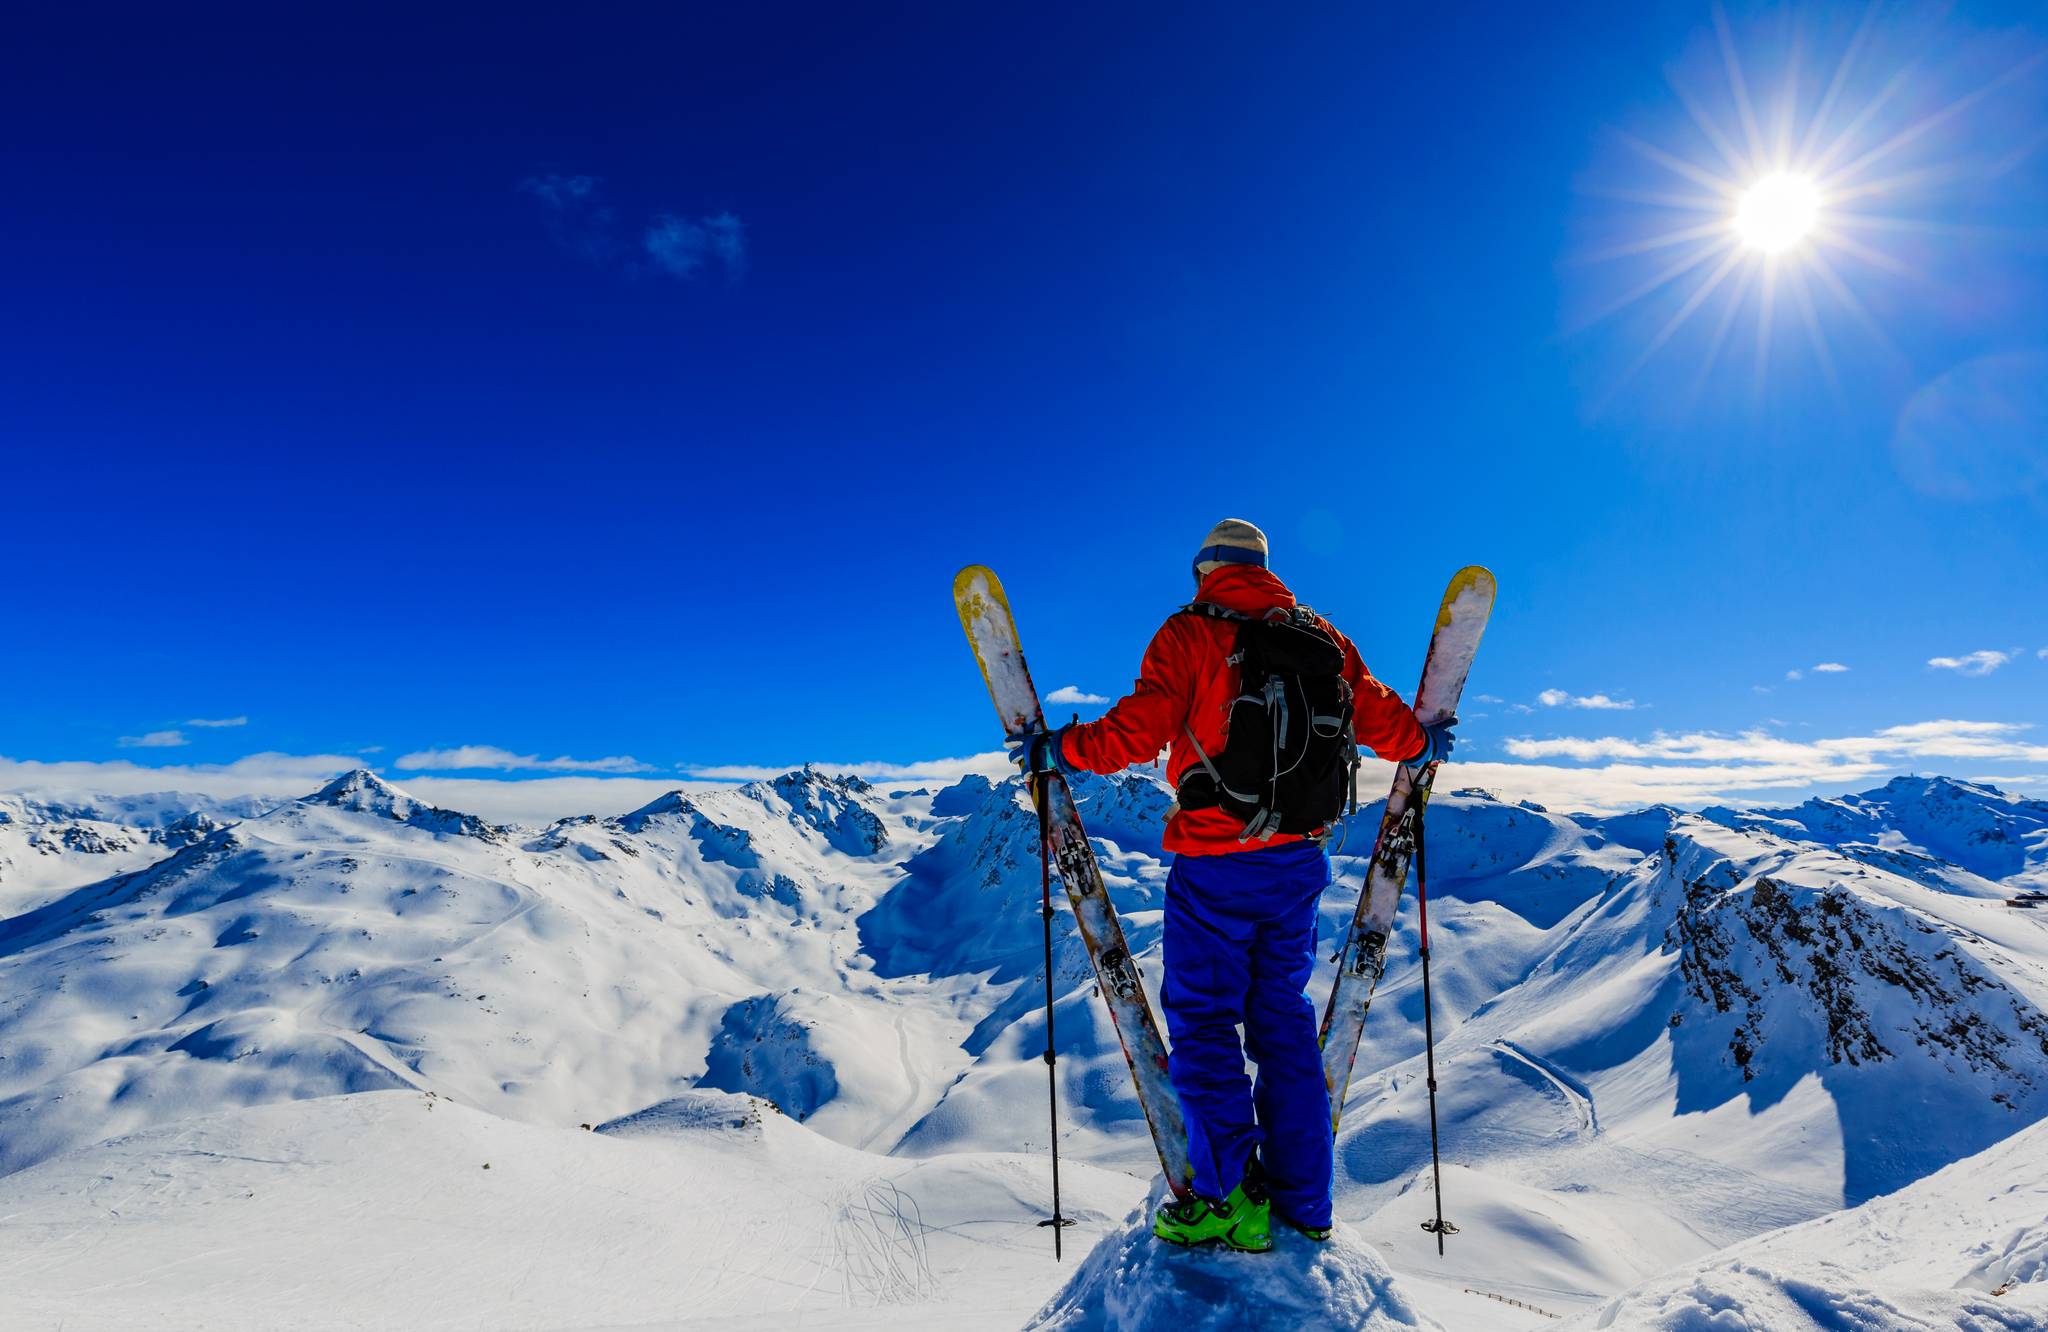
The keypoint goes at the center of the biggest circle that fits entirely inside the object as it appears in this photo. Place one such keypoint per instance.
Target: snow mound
(1132, 1282)
(690, 1113)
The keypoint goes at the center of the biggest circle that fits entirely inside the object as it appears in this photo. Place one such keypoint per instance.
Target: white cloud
(1490, 698)
(504, 760)
(2042, 654)
(1074, 696)
(1795, 674)
(153, 740)
(216, 723)
(538, 800)
(278, 776)
(1829, 668)
(1976, 663)
(1558, 698)
(944, 770)
(1700, 767)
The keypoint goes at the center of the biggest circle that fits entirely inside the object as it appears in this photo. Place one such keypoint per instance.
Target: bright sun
(1777, 212)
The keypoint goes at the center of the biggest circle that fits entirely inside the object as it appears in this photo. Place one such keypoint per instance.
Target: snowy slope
(1965, 1248)
(401, 1210)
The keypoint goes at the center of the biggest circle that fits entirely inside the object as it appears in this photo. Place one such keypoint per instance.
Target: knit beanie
(1232, 541)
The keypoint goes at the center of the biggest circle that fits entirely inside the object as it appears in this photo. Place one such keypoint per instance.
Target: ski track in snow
(1568, 1087)
(1642, 1054)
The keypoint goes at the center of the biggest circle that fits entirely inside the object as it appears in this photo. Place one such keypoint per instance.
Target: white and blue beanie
(1232, 541)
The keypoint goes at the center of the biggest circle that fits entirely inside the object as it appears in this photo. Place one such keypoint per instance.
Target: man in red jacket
(1240, 931)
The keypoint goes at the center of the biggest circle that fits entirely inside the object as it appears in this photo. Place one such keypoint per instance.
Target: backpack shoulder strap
(1214, 611)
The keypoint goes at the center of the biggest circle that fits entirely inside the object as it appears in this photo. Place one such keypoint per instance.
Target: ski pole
(1052, 1085)
(1439, 1227)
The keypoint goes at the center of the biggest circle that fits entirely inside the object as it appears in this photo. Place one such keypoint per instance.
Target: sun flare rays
(1781, 187)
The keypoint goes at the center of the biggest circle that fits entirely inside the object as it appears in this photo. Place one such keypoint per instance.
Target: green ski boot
(1237, 1222)
(1255, 1189)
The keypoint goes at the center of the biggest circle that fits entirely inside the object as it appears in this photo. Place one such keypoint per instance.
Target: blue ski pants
(1240, 943)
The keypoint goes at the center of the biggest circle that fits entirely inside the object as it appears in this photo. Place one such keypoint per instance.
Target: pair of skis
(992, 632)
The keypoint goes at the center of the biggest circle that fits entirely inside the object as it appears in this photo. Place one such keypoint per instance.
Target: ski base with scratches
(1459, 623)
(992, 632)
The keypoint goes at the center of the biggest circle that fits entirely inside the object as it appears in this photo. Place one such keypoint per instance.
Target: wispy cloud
(1074, 696)
(1489, 698)
(683, 247)
(216, 723)
(504, 760)
(153, 740)
(575, 218)
(1976, 663)
(1558, 698)
(993, 764)
(1795, 674)
(280, 776)
(581, 221)
(1829, 668)
(1699, 767)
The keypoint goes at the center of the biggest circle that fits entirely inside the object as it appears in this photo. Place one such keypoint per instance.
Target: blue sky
(525, 391)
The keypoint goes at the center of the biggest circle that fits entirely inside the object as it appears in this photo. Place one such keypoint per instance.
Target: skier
(1241, 898)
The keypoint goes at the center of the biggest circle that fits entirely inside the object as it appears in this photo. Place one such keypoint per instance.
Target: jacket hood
(1246, 588)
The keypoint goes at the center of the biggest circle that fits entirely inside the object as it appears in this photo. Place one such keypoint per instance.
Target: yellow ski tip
(972, 574)
(975, 585)
(1474, 580)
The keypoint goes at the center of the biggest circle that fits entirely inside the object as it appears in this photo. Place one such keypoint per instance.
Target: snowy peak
(842, 811)
(674, 804)
(363, 792)
(835, 807)
(366, 793)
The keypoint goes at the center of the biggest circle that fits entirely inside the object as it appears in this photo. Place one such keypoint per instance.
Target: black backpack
(1289, 763)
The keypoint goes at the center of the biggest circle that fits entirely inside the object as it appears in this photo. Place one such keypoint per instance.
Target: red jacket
(1184, 680)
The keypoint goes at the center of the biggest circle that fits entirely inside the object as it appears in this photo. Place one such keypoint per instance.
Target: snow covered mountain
(47, 847)
(1658, 1033)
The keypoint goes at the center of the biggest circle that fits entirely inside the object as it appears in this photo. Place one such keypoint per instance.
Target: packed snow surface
(1660, 1035)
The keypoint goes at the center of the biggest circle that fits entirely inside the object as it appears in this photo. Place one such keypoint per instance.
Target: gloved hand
(1040, 751)
(1437, 739)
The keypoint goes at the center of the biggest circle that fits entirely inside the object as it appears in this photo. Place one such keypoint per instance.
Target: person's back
(1241, 902)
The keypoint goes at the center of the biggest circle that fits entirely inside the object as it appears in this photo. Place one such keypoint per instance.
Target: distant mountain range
(1659, 1033)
